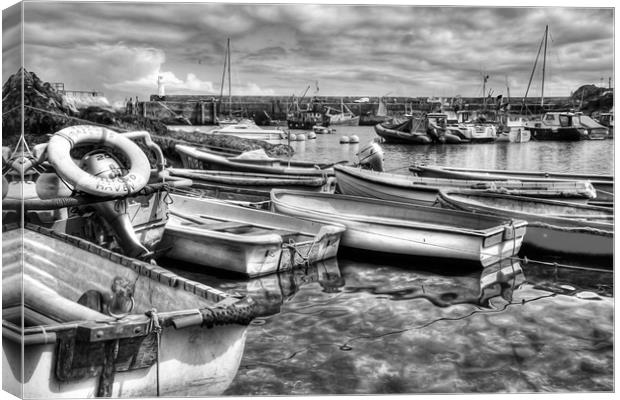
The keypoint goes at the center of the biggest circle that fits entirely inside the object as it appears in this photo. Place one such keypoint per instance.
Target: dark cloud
(361, 49)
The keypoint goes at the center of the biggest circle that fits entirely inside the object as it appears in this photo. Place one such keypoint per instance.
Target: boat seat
(284, 233)
(223, 226)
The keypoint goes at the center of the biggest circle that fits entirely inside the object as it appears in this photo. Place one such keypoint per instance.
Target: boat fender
(63, 141)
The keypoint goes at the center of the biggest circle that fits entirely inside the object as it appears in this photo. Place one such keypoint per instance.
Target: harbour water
(368, 325)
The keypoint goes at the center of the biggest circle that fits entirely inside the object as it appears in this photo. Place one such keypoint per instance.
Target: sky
(121, 48)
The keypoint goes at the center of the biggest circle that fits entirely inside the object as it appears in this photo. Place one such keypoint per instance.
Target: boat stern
(502, 244)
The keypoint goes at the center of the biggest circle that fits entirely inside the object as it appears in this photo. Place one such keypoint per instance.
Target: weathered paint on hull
(193, 361)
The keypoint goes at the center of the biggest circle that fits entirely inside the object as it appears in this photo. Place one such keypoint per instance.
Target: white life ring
(66, 139)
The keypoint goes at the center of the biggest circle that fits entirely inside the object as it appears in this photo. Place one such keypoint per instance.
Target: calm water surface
(364, 325)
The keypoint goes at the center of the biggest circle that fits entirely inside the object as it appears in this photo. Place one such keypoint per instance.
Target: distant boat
(247, 130)
(553, 226)
(407, 130)
(423, 191)
(380, 116)
(475, 126)
(558, 126)
(406, 229)
(237, 239)
(195, 158)
(344, 116)
(603, 184)
(83, 321)
(513, 129)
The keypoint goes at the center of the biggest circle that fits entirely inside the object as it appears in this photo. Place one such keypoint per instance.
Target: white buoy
(354, 139)
(292, 137)
(311, 135)
(301, 137)
(344, 139)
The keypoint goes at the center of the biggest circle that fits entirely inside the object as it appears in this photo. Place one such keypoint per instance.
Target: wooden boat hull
(423, 191)
(603, 184)
(253, 243)
(193, 158)
(68, 357)
(405, 229)
(557, 227)
(395, 136)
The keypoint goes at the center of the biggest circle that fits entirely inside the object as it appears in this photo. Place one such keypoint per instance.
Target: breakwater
(202, 109)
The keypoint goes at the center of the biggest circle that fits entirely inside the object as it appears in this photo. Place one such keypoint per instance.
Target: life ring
(66, 139)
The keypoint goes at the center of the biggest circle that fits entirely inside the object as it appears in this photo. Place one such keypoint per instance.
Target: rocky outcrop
(591, 98)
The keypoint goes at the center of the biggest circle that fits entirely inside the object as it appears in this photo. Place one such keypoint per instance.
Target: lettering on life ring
(63, 141)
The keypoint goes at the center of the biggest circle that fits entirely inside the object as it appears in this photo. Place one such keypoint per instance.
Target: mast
(223, 76)
(529, 83)
(229, 80)
(542, 94)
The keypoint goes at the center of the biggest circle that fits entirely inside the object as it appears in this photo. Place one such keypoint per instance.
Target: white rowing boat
(407, 229)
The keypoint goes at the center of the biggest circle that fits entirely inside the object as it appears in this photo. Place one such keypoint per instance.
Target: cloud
(280, 48)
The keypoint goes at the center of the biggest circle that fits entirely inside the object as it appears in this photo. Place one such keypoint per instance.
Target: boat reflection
(270, 292)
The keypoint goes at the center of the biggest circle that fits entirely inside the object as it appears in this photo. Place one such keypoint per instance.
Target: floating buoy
(311, 135)
(586, 295)
(292, 137)
(344, 139)
(301, 137)
(354, 139)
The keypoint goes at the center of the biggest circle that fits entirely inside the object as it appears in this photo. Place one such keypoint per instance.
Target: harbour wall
(202, 109)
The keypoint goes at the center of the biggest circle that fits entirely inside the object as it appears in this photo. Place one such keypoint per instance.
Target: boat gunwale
(488, 232)
(405, 182)
(447, 196)
(552, 176)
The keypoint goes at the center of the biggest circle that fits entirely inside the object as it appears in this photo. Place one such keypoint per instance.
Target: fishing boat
(438, 127)
(594, 130)
(558, 126)
(603, 184)
(475, 126)
(607, 120)
(196, 158)
(407, 229)
(344, 116)
(81, 321)
(553, 226)
(423, 191)
(409, 130)
(246, 241)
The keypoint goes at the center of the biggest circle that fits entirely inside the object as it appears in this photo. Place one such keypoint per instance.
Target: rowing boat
(257, 181)
(242, 240)
(194, 158)
(604, 184)
(407, 229)
(553, 226)
(423, 191)
(82, 321)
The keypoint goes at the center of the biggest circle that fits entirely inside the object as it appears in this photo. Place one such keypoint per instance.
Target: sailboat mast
(529, 83)
(223, 76)
(229, 80)
(542, 95)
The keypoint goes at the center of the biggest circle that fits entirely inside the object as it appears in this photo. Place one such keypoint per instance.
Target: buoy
(344, 139)
(292, 137)
(354, 139)
(311, 135)
(301, 137)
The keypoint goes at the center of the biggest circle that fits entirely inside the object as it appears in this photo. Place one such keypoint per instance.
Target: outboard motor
(371, 157)
(103, 164)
